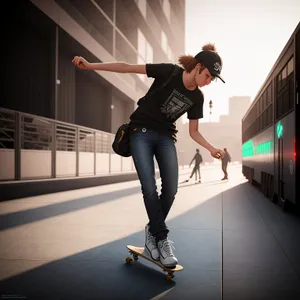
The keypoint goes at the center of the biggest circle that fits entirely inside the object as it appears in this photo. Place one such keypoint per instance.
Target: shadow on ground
(100, 272)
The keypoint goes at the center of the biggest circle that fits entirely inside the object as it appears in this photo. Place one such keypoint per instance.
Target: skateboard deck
(186, 181)
(137, 252)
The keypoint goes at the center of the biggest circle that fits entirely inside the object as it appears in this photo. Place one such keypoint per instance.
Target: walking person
(225, 160)
(153, 133)
(198, 160)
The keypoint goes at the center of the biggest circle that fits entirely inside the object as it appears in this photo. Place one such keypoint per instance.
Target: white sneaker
(167, 257)
(150, 245)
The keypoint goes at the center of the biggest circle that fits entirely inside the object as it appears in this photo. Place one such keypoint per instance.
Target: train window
(290, 67)
(285, 101)
(284, 76)
(291, 93)
(278, 82)
(272, 112)
(265, 99)
(260, 106)
(260, 123)
(265, 119)
(278, 107)
(268, 116)
(269, 93)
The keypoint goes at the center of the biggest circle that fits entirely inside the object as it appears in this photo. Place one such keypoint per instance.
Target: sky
(249, 36)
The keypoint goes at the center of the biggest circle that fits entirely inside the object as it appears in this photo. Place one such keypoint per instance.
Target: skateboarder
(198, 160)
(154, 132)
(225, 160)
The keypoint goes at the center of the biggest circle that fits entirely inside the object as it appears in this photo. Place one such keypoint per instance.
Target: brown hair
(189, 62)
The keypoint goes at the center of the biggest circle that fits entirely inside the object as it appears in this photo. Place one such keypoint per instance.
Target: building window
(165, 46)
(170, 55)
(145, 52)
(167, 9)
(141, 46)
(164, 41)
(142, 5)
(149, 53)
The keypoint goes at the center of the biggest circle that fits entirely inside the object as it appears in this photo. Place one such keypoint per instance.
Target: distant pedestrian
(225, 160)
(198, 160)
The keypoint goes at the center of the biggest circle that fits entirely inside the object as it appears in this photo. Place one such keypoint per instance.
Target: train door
(280, 165)
(297, 116)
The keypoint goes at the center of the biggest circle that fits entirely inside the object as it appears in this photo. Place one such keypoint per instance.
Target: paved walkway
(232, 242)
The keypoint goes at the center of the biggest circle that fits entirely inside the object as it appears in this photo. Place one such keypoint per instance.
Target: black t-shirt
(160, 110)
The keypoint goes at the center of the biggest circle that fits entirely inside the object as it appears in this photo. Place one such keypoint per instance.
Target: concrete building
(42, 36)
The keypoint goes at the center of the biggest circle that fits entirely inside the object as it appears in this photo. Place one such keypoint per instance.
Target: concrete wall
(7, 164)
(37, 164)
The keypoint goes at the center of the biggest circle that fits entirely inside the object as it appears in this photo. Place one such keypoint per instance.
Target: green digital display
(249, 149)
(279, 130)
(264, 148)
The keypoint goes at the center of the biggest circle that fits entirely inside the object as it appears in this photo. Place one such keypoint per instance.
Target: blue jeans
(145, 144)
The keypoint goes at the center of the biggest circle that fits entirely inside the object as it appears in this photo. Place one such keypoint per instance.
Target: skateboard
(185, 181)
(137, 252)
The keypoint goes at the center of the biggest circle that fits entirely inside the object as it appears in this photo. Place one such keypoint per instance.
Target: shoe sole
(169, 267)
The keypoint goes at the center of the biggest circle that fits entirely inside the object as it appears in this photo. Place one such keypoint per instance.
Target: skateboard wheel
(128, 260)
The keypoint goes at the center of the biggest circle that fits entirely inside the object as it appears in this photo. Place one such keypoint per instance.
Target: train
(271, 130)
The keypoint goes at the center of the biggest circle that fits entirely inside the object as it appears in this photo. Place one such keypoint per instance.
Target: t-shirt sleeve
(196, 111)
(159, 70)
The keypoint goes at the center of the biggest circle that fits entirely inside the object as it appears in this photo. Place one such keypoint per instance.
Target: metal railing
(33, 147)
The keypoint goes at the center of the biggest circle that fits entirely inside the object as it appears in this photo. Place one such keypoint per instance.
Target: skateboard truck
(137, 252)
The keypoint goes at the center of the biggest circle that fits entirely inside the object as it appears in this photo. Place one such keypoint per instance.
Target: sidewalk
(72, 245)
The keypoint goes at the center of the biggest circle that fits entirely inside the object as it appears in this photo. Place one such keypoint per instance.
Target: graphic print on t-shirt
(176, 105)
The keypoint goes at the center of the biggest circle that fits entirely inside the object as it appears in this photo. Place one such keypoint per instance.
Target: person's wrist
(211, 148)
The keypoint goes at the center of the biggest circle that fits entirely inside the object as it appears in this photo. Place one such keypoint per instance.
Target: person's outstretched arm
(198, 138)
(193, 160)
(118, 67)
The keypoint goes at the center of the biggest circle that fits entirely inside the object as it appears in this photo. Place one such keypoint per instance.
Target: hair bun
(209, 47)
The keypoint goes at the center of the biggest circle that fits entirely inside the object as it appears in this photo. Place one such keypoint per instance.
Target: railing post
(18, 141)
(95, 154)
(77, 151)
(109, 170)
(53, 151)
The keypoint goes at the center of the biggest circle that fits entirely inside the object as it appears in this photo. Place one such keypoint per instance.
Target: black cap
(212, 61)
